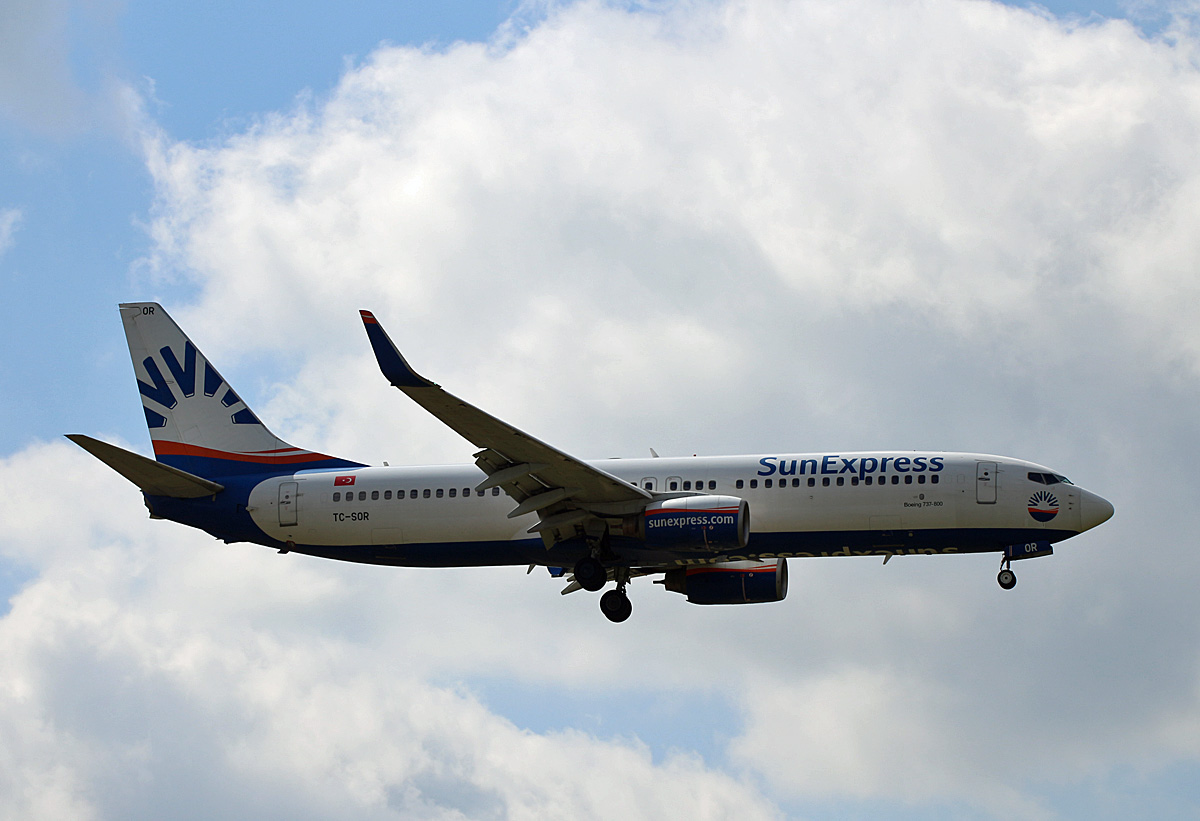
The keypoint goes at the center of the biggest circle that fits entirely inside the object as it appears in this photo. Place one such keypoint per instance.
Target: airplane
(524, 502)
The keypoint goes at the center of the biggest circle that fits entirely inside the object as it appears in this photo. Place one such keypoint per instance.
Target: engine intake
(704, 522)
(742, 582)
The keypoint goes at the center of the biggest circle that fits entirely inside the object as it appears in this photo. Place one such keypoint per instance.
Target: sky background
(701, 227)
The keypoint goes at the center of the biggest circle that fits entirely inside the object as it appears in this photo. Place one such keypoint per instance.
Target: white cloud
(10, 220)
(57, 59)
(729, 227)
(973, 168)
(36, 86)
(146, 666)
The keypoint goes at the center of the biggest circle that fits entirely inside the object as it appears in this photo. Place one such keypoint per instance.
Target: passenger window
(412, 494)
(425, 494)
(712, 485)
(453, 492)
(387, 494)
(753, 483)
(374, 495)
(362, 496)
(479, 492)
(895, 480)
(825, 482)
(795, 483)
(495, 491)
(440, 493)
(767, 482)
(337, 497)
(921, 479)
(853, 481)
(466, 492)
(933, 480)
(841, 480)
(908, 479)
(812, 482)
(687, 484)
(869, 480)
(741, 483)
(674, 485)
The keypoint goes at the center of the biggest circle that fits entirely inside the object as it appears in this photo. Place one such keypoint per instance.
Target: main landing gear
(592, 575)
(1006, 578)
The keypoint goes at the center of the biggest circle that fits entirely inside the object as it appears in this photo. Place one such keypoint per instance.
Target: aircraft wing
(563, 490)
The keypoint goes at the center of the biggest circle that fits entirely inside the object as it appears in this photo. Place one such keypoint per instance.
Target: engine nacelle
(714, 523)
(731, 582)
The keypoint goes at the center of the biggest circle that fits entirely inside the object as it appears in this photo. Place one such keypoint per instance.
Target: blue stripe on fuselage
(632, 554)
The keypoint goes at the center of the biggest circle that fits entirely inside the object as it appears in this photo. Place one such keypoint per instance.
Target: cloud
(725, 227)
(146, 667)
(966, 169)
(57, 64)
(10, 220)
(36, 86)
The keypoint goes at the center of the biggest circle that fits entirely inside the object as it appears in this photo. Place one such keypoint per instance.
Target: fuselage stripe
(162, 448)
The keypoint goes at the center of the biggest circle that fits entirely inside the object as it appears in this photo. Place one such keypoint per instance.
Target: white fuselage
(800, 504)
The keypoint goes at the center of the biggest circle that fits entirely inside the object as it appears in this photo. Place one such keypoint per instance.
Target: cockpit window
(1048, 478)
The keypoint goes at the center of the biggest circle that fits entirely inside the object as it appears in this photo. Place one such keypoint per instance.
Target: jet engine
(742, 582)
(716, 523)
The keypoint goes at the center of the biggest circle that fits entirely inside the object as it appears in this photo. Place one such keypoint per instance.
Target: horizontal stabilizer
(152, 477)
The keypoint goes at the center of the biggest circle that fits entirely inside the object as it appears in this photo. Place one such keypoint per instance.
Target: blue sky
(982, 247)
(82, 186)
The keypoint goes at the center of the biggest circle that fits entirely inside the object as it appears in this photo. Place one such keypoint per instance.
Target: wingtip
(391, 361)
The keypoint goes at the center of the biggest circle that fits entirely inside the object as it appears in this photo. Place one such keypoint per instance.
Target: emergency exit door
(288, 491)
(985, 483)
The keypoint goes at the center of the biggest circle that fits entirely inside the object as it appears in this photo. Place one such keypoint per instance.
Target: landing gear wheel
(615, 605)
(1007, 579)
(590, 573)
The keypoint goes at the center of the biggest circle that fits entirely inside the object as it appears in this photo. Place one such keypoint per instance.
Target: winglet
(391, 362)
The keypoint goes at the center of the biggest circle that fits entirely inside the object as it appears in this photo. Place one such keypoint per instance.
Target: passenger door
(985, 483)
(289, 504)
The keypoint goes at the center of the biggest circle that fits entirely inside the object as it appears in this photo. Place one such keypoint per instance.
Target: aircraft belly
(890, 542)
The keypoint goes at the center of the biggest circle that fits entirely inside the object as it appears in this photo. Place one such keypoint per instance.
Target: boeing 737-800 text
(716, 529)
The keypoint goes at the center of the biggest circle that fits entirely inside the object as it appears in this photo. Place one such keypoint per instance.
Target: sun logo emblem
(1043, 506)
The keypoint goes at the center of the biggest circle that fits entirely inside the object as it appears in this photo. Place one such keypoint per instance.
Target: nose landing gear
(1006, 578)
(615, 605)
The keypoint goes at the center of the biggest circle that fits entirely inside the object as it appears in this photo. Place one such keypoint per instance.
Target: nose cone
(1093, 510)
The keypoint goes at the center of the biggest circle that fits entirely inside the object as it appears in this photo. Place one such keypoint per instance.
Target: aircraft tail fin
(198, 423)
